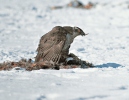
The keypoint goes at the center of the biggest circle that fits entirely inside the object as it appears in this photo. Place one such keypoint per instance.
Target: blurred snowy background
(23, 22)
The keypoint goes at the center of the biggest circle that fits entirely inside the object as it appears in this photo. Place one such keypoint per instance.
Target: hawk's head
(78, 31)
(74, 31)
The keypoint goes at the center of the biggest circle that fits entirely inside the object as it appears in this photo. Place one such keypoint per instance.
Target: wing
(51, 44)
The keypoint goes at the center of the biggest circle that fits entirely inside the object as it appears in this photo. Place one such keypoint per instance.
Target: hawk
(54, 45)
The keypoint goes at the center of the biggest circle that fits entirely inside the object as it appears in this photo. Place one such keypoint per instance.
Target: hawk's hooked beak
(83, 34)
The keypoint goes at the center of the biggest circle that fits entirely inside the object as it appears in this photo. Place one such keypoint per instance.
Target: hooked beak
(83, 34)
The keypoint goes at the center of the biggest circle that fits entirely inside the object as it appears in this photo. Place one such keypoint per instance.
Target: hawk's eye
(79, 31)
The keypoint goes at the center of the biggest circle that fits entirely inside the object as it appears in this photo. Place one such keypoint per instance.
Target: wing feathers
(54, 53)
(51, 45)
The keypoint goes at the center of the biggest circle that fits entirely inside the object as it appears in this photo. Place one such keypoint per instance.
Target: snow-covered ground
(23, 22)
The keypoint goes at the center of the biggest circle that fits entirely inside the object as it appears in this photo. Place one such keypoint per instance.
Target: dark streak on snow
(107, 65)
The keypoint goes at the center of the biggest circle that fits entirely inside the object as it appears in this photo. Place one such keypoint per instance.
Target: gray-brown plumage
(54, 46)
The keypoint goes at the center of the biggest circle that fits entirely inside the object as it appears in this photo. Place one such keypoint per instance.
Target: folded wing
(51, 44)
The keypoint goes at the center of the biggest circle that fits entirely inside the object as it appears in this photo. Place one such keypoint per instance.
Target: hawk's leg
(73, 59)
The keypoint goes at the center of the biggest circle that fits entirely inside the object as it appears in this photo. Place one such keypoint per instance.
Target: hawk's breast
(68, 41)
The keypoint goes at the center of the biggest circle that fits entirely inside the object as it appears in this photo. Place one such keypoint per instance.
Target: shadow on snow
(113, 65)
(93, 97)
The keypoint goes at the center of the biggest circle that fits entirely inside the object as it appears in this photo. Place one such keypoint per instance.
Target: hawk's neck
(75, 34)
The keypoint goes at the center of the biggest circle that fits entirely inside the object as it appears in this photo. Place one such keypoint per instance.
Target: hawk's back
(51, 45)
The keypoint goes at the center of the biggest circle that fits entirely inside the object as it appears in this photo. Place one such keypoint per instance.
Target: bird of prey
(54, 45)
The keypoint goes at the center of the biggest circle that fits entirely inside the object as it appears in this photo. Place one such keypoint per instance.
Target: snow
(22, 23)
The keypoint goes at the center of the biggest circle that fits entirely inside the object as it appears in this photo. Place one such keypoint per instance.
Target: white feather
(68, 59)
